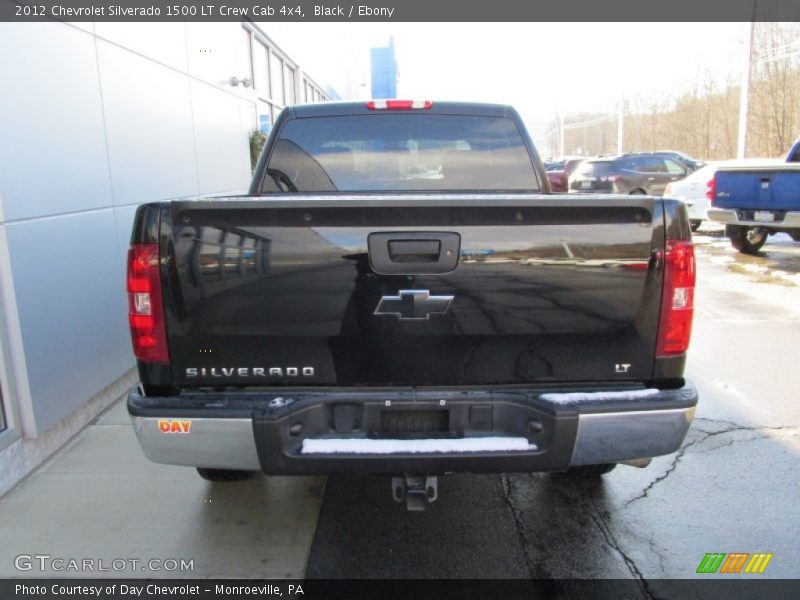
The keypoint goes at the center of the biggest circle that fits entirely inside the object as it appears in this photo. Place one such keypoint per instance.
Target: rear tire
(590, 471)
(795, 234)
(695, 225)
(637, 192)
(747, 240)
(222, 474)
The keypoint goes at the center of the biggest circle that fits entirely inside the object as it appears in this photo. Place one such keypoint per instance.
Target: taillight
(145, 311)
(677, 300)
(711, 189)
(399, 104)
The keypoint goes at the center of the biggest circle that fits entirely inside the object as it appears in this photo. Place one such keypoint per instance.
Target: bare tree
(775, 96)
(703, 119)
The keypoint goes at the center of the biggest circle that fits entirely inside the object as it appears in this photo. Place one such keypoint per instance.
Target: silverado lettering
(459, 317)
(249, 371)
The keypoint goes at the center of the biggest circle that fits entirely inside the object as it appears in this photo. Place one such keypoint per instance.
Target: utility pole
(745, 91)
(620, 117)
(560, 120)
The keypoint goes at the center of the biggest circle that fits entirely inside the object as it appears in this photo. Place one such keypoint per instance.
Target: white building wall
(96, 119)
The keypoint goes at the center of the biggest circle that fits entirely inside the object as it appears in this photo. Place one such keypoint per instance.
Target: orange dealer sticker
(174, 426)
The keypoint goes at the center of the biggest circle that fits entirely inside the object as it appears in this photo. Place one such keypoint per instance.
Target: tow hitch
(417, 491)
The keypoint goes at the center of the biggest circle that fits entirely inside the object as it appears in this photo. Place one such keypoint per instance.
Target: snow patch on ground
(726, 245)
(579, 397)
(460, 445)
(722, 260)
(765, 273)
(704, 239)
(757, 269)
(790, 277)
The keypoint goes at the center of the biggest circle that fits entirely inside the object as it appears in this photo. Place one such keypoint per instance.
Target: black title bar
(400, 10)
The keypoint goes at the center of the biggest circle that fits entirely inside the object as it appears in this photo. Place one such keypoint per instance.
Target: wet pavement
(733, 486)
(778, 261)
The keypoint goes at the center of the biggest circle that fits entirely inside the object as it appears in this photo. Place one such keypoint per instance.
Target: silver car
(693, 192)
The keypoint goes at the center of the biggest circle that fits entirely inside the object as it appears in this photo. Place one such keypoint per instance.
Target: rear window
(599, 168)
(398, 152)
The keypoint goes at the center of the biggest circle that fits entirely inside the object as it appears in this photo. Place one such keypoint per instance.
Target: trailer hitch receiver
(417, 491)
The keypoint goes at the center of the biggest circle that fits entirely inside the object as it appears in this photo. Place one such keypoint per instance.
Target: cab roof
(330, 109)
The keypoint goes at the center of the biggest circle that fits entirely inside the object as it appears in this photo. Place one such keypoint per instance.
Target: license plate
(586, 185)
(403, 422)
(764, 216)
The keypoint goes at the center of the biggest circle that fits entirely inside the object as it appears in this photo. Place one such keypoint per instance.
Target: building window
(276, 68)
(261, 69)
(288, 85)
(248, 41)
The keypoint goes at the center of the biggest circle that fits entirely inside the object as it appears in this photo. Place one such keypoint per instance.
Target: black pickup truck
(400, 294)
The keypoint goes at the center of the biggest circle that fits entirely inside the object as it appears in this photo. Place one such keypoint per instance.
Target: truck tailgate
(769, 187)
(447, 289)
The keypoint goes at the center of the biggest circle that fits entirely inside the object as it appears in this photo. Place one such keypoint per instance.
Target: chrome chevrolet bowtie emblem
(415, 305)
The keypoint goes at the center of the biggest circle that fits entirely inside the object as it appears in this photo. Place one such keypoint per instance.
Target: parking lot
(731, 488)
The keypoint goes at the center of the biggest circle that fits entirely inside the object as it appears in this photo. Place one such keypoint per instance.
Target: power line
(775, 49)
(779, 57)
(590, 122)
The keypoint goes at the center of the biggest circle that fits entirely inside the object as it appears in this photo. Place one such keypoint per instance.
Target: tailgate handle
(413, 252)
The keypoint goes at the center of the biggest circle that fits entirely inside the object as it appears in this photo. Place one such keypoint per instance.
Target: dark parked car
(627, 174)
(553, 165)
(692, 164)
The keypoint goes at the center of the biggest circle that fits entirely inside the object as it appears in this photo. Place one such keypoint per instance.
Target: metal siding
(52, 149)
(148, 114)
(69, 284)
(161, 42)
(223, 159)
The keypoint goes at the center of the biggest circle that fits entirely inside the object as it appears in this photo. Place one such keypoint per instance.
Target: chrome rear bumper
(731, 217)
(614, 437)
(182, 432)
(211, 443)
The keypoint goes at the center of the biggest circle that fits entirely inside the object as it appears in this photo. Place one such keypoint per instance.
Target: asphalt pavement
(732, 487)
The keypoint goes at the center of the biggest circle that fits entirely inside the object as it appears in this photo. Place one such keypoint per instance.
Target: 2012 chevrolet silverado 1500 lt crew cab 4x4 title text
(400, 294)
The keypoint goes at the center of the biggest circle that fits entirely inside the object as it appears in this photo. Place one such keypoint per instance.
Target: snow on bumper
(421, 446)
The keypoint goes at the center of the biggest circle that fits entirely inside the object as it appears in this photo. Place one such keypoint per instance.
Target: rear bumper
(265, 430)
(791, 220)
